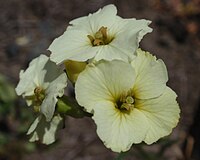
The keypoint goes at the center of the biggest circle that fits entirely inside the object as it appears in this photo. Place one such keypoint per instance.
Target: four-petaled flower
(40, 85)
(101, 35)
(130, 102)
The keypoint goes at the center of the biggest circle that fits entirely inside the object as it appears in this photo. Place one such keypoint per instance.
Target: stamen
(39, 94)
(38, 98)
(125, 102)
(91, 38)
(126, 106)
(100, 37)
(129, 100)
(103, 32)
(38, 90)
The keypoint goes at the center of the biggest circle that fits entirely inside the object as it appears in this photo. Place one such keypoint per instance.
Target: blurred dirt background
(27, 27)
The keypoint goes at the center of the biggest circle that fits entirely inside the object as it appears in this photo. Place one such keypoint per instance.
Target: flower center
(39, 95)
(125, 102)
(100, 37)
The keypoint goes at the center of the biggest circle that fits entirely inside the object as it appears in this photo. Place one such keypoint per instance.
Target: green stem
(69, 106)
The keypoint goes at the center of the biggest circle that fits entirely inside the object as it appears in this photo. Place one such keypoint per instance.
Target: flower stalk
(69, 107)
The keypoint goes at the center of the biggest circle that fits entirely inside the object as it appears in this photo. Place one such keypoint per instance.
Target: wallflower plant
(120, 86)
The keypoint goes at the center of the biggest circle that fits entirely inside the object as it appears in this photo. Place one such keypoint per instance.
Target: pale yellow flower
(40, 84)
(101, 35)
(130, 102)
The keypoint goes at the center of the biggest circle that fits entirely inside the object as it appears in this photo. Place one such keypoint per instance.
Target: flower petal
(119, 130)
(54, 90)
(45, 131)
(162, 114)
(103, 17)
(151, 76)
(105, 81)
(31, 78)
(111, 52)
(72, 45)
(34, 125)
(127, 34)
(93, 22)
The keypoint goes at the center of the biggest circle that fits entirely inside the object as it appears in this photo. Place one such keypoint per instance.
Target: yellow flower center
(39, 95)
(126, 102)
(100, 38)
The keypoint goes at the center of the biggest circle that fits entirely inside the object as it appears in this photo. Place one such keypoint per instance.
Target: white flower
(41, 84)
(130, 102)
(43, 130)
(101, 35)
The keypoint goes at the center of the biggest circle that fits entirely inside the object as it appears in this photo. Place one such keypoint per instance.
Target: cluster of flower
(123, 87)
